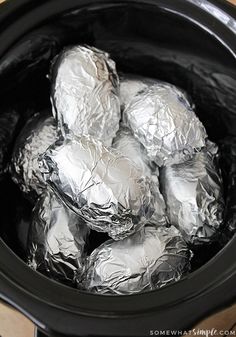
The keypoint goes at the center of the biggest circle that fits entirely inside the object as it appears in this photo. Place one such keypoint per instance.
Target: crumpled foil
(147, 260)
(162, 119)
(39, 132)
(131, 85)
(85, 93)
(127, 144)
(57, 238)
(193, 192)
(99, 184)
(8, 122)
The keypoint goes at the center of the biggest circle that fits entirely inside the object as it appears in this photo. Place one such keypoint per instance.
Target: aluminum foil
(85, 93)
(99, 184)
(193, 193)
(8, 122)
(126, 144)
(57, 239)
(149, 259)
(163, 120)
(131, 85)
(38, 133)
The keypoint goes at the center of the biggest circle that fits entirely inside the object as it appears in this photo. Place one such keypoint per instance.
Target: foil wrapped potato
(127, 144)
(131, 85)
(102, 186)
(57, 238)
(164, 122)
(147, 260)
(39, 132)
(193, 192)
(85, 93)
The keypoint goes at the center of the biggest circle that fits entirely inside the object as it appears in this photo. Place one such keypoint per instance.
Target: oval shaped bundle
(126, 144)
(36, 136)
(147, 260)
(162, 119)
(85, 93)
(102, 186)
(131, 85)
(56, 240)
(193, 192)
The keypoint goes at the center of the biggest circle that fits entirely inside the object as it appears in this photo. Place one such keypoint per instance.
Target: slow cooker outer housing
(60, 311)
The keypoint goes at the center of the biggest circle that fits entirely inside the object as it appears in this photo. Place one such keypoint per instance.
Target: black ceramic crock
(190, 43)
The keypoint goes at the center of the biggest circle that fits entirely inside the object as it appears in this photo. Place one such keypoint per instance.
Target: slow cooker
(190, 43)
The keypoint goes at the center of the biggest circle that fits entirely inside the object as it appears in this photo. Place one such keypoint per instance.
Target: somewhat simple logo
(193, 332)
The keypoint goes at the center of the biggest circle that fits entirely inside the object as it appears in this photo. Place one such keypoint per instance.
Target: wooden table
(13, 324)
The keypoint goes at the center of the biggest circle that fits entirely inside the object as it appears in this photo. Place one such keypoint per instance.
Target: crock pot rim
(219, 266)
(36, 15)
(18, 282)
(43, 310)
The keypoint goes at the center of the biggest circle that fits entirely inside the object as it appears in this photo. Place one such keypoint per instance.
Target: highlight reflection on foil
(147, 260)
(85, 93)
(102, 186)
(162, 119)
(39, 132)
(57, 239)
(193, 193)
(126, 144)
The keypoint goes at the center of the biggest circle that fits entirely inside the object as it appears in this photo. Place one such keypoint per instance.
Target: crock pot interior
(142, 39)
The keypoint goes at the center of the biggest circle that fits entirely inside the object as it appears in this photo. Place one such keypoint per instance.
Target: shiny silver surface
(85, 93)
(131, 85)
(130, 147)
(56, 240)
(39, 132)
(162, 119)
(102, 186)
(217, 12)
(193, 193)
(149, 259)
(127, 144)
